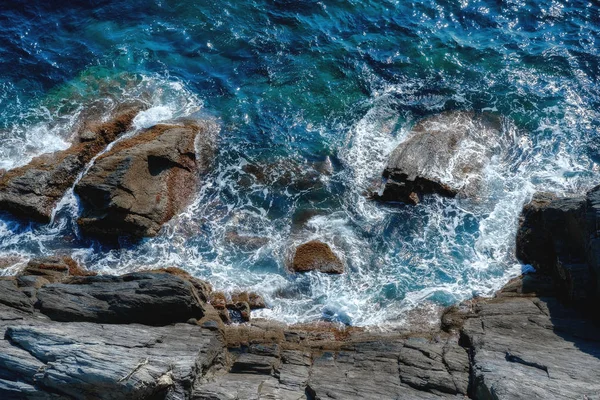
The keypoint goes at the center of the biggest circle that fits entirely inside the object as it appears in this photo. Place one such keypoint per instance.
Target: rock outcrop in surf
(33, 190)
(142, 182)
(443, 155)
(316, 256)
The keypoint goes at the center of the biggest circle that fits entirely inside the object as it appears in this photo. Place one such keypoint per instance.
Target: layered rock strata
(522, 344)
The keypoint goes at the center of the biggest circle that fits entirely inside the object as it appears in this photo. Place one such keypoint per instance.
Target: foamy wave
(152, 116)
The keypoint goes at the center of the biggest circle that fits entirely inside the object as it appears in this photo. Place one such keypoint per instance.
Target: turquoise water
(316, 94)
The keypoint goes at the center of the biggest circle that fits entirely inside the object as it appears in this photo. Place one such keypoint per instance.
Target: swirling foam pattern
(313, 96)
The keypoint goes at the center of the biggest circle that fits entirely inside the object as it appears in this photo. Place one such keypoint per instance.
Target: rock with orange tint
(54, 268)
(144, 181)
(316, 256)
(33, 190)
(218, 300)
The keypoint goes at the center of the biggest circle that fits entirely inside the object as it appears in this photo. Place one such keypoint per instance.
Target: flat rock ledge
(151, 335)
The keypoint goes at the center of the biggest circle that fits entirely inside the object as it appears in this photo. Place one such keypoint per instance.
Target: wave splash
(310, 111)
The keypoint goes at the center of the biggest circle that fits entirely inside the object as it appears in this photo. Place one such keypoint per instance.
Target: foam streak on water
(311, 99)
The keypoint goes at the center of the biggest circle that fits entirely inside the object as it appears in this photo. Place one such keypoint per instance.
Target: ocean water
(312, 96)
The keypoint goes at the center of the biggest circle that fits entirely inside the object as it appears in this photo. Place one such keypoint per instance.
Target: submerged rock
(443, 154)
(317, 256)
(286, 173)
(245, 242)
(142, 182)
(33, 190)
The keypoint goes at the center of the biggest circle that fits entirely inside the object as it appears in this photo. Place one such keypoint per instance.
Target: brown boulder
(218, 300)
(54, 268)
(142, 182)
(33, 190)
(254, 300)
(317, 256)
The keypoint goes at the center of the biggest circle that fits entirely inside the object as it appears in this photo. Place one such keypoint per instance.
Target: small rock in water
(334, 315)
(316, 256)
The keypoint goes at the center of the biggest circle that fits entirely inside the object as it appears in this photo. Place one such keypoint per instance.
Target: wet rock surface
(443, 155)
(560, 237)
(33, 190)
(525, 343)
(142, 182)
(316, 256)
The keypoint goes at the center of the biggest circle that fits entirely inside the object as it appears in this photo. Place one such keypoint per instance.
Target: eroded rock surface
(54, 268)
(149, 298)
(560, 237)
(316, 256)
(524, 344)
(93, 361)
(443, 154)
(142, 182)
(33, 190)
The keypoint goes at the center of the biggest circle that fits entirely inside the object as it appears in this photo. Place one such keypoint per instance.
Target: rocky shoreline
(150, 335)
(158, 335)
(163, 334)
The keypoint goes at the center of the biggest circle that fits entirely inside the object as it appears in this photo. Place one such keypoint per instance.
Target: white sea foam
(152, 116)
(397, 257)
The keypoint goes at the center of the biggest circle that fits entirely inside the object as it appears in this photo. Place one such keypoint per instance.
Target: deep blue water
(296, 85)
